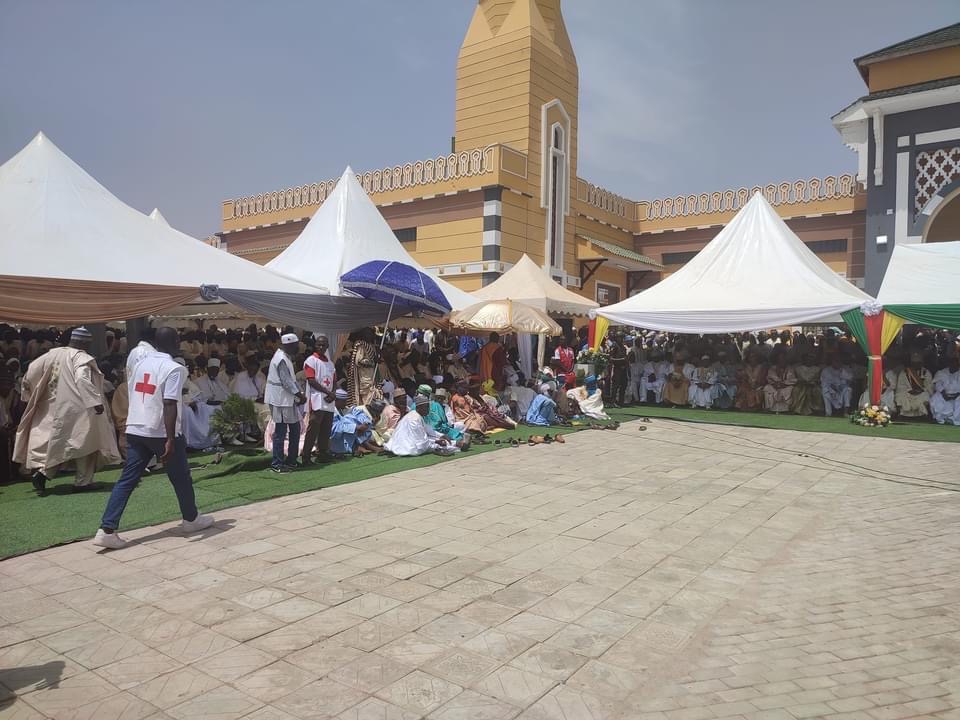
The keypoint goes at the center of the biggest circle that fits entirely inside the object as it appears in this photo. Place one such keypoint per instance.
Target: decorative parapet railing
(602, 198)
(466, 163)
(785, 193)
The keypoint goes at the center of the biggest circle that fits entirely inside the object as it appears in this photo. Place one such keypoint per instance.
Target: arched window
(555, 214)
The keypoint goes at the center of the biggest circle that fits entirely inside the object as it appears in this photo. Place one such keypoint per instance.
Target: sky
(181, 104)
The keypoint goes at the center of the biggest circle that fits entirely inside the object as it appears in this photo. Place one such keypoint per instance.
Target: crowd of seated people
(475, 386)
(784, 372)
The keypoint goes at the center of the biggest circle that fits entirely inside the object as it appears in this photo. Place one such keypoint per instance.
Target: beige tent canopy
(504, 316)
(527, 283)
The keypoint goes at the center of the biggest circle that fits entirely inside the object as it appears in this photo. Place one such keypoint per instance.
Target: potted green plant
(229, 420)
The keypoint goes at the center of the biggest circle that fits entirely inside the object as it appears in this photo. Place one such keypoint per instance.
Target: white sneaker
(201, 522)
(248, 439)
(111, 541)
(235, 442)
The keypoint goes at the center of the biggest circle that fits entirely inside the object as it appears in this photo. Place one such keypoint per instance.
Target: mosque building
(510, 185)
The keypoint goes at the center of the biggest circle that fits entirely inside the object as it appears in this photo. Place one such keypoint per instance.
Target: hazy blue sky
(181, 104)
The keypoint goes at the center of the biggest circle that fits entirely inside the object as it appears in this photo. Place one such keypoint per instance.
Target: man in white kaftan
(213, 387)
(250, 385)
(195, 422)
(945, 400)
(703, 380)
(654, 377)
(64, 419)
(590, 405)
(914, 388)
(413, 436)
(836, 384)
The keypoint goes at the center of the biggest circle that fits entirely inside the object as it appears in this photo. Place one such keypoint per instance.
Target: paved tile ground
(680, 573)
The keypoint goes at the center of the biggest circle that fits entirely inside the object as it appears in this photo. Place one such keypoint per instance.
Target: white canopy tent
(927, 274)
(922, 284)
(346, 231)
(528, 283)
(756, 273)
(73, 253)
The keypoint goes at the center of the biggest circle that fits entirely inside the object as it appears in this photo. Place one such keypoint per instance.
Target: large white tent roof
(63, 235)
(346, 231)
(756, 273)
(927, 274)
(528, 283)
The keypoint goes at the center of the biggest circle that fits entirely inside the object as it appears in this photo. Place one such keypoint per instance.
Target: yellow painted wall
(913, 69)
(449, 243)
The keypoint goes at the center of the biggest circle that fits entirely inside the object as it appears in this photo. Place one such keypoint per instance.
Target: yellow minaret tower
(517, 85)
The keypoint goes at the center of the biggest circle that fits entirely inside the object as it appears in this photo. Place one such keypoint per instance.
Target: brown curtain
(54, 301)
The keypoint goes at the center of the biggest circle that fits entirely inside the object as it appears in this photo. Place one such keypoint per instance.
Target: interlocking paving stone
(741, 573)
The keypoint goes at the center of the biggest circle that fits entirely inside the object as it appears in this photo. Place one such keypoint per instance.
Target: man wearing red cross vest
(154, 428)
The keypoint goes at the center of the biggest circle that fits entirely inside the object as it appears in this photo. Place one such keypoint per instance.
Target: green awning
(623, 252)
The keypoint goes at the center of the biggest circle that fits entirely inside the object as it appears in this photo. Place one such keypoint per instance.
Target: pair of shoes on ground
(113, 541)
(284, 469)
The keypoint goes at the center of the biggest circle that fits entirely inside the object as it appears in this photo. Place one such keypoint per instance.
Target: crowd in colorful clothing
(318, 403)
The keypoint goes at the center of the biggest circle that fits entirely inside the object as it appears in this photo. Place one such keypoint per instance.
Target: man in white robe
(653, 378)
(213, 388)
(914, 387)
(250, 385)
(65, 419)
(945, 400)
(703, 380)
(214, 391)
(836, 384)
(195, 421)
(413, 436)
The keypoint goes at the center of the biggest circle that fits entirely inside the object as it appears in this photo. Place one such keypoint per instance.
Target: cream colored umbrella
(504, 316)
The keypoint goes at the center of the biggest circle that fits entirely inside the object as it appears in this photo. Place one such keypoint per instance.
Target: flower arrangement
(597, 358)
(871, 416)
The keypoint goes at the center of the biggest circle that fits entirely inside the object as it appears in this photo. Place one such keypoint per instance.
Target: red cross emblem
(144, 387)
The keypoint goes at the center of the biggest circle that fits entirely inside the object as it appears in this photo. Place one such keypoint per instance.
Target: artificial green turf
(28, 522)
(811, 423)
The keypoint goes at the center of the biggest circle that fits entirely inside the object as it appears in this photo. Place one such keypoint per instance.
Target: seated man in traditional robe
(725, 391)
(583, 402)
(913, 388)
(945, 400)
(779, 388)
(391, 415)
(413, 436)
(352, 431)
(807, 396)
(519, 398)
(212, 387)
(370, 414)
(653, 377)
(196, 415)
(214, 391)
(703, 381)
(475, 414)
(676, 391)
(836, 383)
(250, 384)
(438, 418)
(543, 409)
(750, 382)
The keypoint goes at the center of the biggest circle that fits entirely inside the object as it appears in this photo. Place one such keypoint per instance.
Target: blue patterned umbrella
(392, 283)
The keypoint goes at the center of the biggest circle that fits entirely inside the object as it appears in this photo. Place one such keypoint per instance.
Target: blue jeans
(279, 435)
(139, 452)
